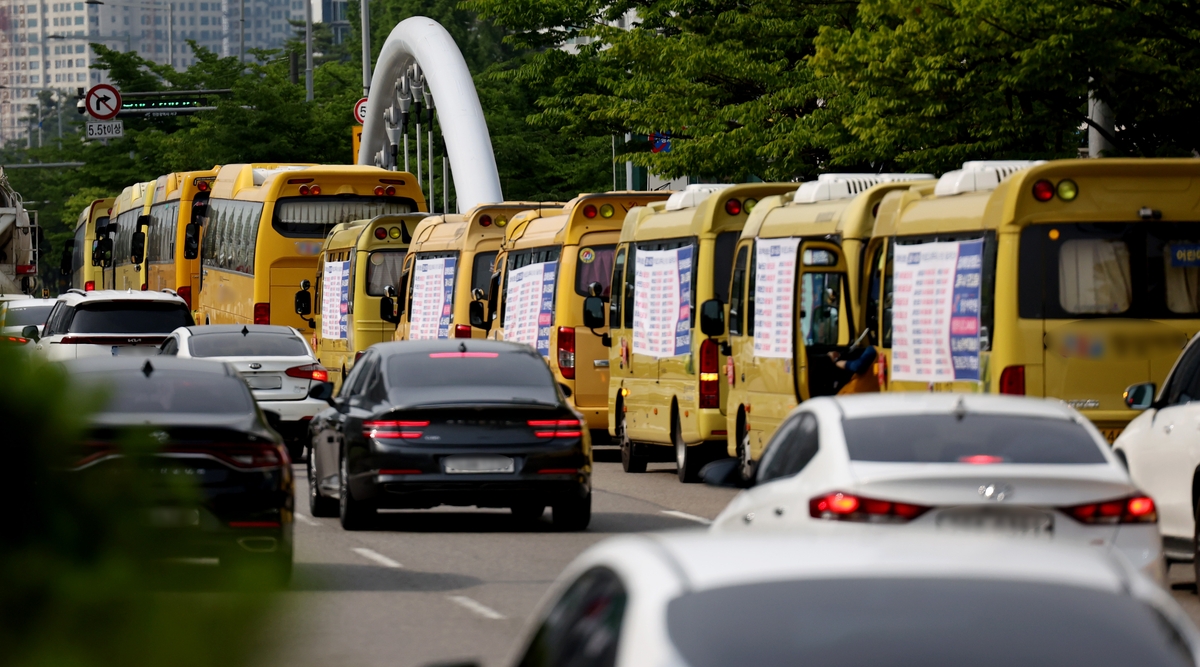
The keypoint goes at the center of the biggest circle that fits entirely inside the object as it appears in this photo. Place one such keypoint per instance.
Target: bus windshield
(313, 217)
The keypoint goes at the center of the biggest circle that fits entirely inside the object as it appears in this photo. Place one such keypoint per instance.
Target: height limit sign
(103, 102)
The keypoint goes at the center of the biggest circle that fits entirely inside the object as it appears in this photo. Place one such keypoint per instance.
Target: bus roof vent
(262, 174)
(979, 176)
(693, 195)
(829, 187)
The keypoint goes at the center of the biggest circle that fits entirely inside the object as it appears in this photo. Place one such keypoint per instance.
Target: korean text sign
(335, 300)
(433, 298)
(662, 302)
(936, 311)
(529, 305)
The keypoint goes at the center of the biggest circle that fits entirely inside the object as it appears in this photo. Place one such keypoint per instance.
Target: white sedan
(1161, 447)
(276, 363)
(781, 600)
(971, 463)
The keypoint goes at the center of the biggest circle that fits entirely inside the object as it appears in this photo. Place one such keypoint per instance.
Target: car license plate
(1111, 434)
(134, 351)
(173, 517)
(264, 381)
(1009, 521)
(475, 465)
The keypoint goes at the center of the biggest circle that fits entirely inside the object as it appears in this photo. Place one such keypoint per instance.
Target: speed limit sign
(360, 111)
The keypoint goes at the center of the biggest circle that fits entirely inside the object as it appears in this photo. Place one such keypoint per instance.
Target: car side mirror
(593, 312)
(191, 240)
(323, 391)
(30, 332)
(303, 303)
(712, 318)
(1140, 396)
(725, 473)
(478, 315)
(387, 310)
(138, 247)
(565, 389)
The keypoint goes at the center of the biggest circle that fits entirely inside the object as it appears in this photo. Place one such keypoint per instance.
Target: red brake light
(556, 428)
(380, 232)
(485, 220)
(17, 339)
(981, 459)
(26, 269)
(838, 506)
(1135, 509)
(303, 190)
(710, 386)
(462, 330)
(389, 190)
(242, 455)
(314, 190)
(378, 190)
(1012, 381)
(185, 293)
(566, 352)
(589, 211)
(463, 355)
(262, 313)
(145, 287)
(358, 355)
(202, 186)
(1043, 190)
(308, 372)
(733, 206)
(254, 524)
(393, 430)
(89, 286)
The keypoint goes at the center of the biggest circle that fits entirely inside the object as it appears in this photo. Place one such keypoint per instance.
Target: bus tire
(688, 460)
(630, 460)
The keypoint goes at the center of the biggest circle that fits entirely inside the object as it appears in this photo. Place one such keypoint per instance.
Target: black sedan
(208, 432)
(450, 422)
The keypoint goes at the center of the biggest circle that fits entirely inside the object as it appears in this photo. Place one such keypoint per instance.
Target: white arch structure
(424, 42)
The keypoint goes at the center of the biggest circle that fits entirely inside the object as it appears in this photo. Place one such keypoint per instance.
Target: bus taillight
(710, 388)
(262, 313)
(1012, 381)
(566, 352)
(185, 293)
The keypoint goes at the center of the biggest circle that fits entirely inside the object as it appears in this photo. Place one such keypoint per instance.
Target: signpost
(103, 102)
(360, 111)
(111, 129)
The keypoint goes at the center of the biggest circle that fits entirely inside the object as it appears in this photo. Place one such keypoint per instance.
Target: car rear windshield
(172, 392)
(931, 622)
(121, 317)
(23, 317)
(463, 377)
(234, 344)
(971, 438)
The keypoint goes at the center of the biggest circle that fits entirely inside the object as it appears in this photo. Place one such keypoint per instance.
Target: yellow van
(179, 199)
(87, 260)
(666, 397)
(358, 269)
(127, 223)
(446, 246)
(793, 300)
(1074, 279)
(550, 261)
(267, 224)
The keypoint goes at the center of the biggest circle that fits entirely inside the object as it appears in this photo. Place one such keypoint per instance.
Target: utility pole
(59, 114)
(366, 46)
(308, 51)
(1101, 115)
(171, 33)
(242, 33)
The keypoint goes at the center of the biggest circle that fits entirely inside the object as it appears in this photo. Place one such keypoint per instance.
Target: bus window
(1094, 276)
(752, 280)
(598, 269)
(630, 278)
(383, 269)
(820, 304)
(231, 236)
(723, 264)
(737, 314)
(481, 270)
(313, 217)
(614, 302)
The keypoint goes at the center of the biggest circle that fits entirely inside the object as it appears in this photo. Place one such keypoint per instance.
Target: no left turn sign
(103, 101)
(360, 111)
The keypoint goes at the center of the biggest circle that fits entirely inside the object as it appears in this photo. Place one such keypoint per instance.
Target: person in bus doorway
(859, 364)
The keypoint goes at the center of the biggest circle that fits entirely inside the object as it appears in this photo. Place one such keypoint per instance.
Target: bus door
(822, 320)
(594, 265)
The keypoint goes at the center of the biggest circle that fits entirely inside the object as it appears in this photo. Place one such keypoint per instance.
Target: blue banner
(683, 323)
(965, 311)
(1184, 255)
(448, 272)
(546, 313)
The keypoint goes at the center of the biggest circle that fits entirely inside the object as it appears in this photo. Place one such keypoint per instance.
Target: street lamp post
(157, 4)
(308, 51)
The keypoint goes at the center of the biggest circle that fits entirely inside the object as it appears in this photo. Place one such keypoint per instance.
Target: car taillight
(393, 429)
(89, 286)
(26, 269)
(94, 451)
(566, 352)
(838, 506)
(315, 372)
(710, 388)
(185, 293)
(241, 455)
(358, 355)
(1135, 509)
(556, 428)
(145, 287)
(17, 339)
(1012, 381)
(462, 330)
(262, 313)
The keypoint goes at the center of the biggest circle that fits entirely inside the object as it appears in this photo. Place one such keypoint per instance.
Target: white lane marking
(376, 556)
(690, 517)
(477, 607)
(305, 520)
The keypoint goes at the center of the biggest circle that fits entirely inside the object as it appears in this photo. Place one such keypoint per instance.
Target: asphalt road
(459, 584)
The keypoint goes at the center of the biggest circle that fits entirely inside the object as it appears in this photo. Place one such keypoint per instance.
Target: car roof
(201, 330)
(715, 560)
(888, 404)
(76, 297)
(138, 364)
(28, 303)
(450, 345)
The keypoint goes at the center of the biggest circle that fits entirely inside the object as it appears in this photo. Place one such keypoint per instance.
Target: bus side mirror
(105, 251)
(712, 318)
(387, 306)
(1140, 396)
(303, 303)
(65, 263)
(191, 241)
(478, 313)
(593, 312)
(138, 247)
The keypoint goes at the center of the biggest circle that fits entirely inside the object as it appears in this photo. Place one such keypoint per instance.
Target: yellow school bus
(793, 300)
(265, 228)
(453, 246)
(666, 395)
(87, 263)
(171, 262)
(347, 319)
(130, 206)
(1089, 279)
(563, 254)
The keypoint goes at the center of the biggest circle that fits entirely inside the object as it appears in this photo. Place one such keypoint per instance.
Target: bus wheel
(745, 461)
(687, 459)
(630, 461)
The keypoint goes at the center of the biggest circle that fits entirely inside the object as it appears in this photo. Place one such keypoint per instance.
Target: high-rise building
(44, 45)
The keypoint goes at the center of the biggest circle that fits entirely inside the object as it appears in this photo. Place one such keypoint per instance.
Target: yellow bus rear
(179, 199)
(87, 263)
(267, 224)
(130, 206)
(1090, 277)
